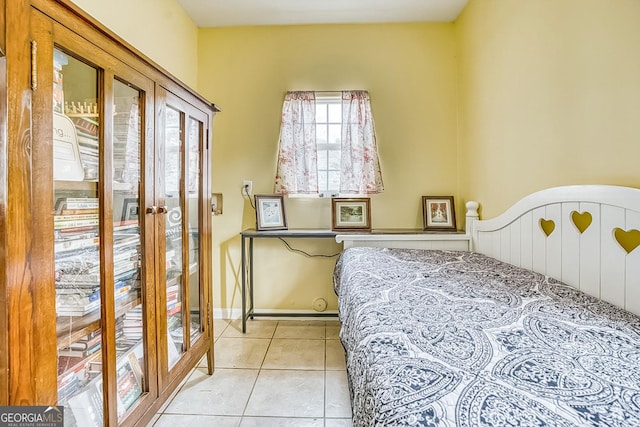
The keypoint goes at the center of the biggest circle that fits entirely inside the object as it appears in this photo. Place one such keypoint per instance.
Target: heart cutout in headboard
(582, 221)
(547, 226)
(629, 239)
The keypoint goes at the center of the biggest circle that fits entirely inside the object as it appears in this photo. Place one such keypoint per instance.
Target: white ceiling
(221, 13)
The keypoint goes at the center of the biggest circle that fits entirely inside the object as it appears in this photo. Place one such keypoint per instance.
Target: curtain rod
(330, 91)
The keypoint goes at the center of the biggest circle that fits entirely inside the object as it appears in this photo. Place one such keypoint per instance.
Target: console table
(247, 263)
(387, 238)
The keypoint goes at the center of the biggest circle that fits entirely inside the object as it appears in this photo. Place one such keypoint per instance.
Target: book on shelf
(82, 288)
(84, 262)
(75, 223)
(86, 342)
(121, 240)
(132, 325)
(125, 266)
(68, 388)
(67, 276)
(173, 308)
(124, 344)
(69, 296)
(63, 203)
(122, 292)
(60, 237)
(85, 125)
(95, 366)
(74, 373)
(126, 253)
(69, 366)
(128, 224)
(75, 230)
(85, 242)
(77, 309)
(88, 141)
(67, 351)
(74, 217)
(126, 276)
(77, 277)
(79, 211)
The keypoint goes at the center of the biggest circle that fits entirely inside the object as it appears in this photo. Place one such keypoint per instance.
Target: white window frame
(327, 98)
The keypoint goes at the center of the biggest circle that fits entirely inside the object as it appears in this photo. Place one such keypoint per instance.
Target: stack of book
(75, 364)
(124, 343)
(72, 374)
(132, 324)
(84, 347)
(173, 300)
(77, 257)
(77, 260)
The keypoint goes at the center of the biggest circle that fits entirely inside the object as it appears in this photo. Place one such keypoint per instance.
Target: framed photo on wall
(438, 213)
(351, 214)
(270, 212)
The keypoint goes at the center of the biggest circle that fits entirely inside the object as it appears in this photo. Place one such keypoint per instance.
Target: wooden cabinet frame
(28, 343)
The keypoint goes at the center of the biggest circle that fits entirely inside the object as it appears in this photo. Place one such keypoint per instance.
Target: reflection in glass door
(174, 233)
(130, 351)
(193, 191)
(76, 142)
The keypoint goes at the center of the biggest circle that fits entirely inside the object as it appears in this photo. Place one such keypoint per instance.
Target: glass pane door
(129, 326)
(194, 141)
(181, 191)
(76, 147)
(173, 182)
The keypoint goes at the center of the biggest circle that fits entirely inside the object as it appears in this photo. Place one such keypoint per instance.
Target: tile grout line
(324, 406)
(253, 387)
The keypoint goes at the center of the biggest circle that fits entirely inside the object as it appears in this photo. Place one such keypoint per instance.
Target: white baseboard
(236, 313)
(227, 313)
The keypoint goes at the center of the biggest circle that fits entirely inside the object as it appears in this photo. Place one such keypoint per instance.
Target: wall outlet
(247, 188)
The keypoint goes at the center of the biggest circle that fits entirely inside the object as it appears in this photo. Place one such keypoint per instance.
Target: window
(327, 145)
(329, 142)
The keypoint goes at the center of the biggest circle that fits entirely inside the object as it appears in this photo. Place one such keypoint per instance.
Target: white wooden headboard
(587, 236)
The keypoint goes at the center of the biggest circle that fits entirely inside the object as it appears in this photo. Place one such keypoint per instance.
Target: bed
(537, 325)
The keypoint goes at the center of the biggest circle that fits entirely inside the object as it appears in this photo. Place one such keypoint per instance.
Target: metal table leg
(244, 286)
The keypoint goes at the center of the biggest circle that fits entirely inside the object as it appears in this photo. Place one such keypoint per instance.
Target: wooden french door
(183, 234)
(93, 157)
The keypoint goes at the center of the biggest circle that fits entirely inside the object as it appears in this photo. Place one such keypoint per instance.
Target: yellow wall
(549, 95)
(160, 29)
(410, 73)
(515, 96)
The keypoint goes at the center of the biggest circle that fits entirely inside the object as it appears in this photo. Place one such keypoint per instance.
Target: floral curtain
(360, 167)
(297, 171)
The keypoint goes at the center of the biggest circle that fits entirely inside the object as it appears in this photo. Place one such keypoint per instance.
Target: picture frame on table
(438, 213)
(270, 213)
(351, 214)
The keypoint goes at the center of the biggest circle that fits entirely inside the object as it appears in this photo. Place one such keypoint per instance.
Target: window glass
(329, 141)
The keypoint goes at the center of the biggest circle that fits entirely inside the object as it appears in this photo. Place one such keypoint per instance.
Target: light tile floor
(281, 373)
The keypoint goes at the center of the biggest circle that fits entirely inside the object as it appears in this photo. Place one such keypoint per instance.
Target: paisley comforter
(437, 338)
